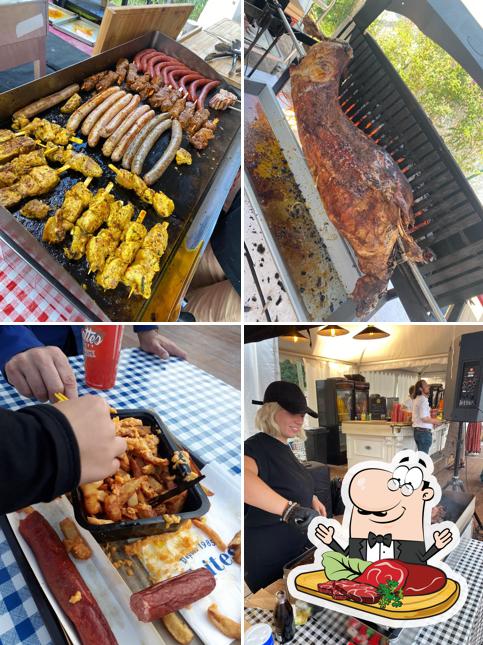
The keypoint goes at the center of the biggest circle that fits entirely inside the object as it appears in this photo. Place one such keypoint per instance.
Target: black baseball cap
(289, 396)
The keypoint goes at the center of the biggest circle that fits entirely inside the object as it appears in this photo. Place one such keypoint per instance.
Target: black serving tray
(197, 503)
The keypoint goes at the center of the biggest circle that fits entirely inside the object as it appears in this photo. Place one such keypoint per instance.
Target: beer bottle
(283, 619)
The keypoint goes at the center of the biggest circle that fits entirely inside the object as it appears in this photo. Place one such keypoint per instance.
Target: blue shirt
(18, 338)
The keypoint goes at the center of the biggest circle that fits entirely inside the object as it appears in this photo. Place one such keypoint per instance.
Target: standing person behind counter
(279, 492)
(423, 422)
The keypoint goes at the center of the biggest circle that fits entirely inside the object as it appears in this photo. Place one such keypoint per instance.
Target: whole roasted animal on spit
(365, 194)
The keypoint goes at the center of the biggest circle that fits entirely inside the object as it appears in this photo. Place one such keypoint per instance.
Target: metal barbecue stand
(449, 216)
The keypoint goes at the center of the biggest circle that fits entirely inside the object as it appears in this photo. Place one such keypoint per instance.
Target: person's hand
(324, 533)
(318, 506)
(299, 517)
(99, 447)
(442, 538)
(153, 343)
(39, 372)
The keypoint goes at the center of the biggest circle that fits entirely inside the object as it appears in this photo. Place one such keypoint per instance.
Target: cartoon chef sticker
(384, 563)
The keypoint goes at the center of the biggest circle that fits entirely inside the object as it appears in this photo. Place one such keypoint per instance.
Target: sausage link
(160, 58)
(100, 110)
(138, 56)
(204, 93)
(106, 118)
(188, 79)
(171, 68)
(119, 118)
(195, 85)
(82, 111)
(176, 73)
(157, 69)
(136, 142)
(65, 581)
(143, 150)
(145, 60)
(170, 595)
(168, 155)
(116, 136)
(47, 102)
(121, 147)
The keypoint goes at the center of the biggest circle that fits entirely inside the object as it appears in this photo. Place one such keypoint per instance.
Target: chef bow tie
(373, 539)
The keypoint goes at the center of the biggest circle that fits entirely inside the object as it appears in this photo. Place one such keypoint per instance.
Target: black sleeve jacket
(39, 456)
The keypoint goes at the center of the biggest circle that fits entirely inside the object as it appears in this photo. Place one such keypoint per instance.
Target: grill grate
(449, 216)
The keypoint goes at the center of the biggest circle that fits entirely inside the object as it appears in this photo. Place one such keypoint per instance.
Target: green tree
(339, 12)
(447, 93)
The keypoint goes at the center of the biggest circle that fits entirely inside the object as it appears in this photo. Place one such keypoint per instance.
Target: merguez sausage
(136, 142)
(171, 68)
(195, 85)
(64, 581)
(117, 135)
(170, 595)
(47, 102)
(168, 155)
(189, 78)
(119, 118)
(204, 93)
(143, 150)
(80, 114)
(160, 58)
(99, 111)
(145, 60)
(174, 74)
(138, 56)
(121, 147)
(106, 118)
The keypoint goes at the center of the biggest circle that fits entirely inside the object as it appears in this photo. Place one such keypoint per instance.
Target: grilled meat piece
(161, 203)
(186, 114)
(164, 98)
(91, 81)
(198, 120)
(72, 104)
(177, 108)
(76, 200)
(37, 181)
(200, 139)
(48, 132)
(14, 147)
(77, 161)
(122, 67)
(365, 194)
(222, 100)
(109, 79)
(35, 209)
(12, 171)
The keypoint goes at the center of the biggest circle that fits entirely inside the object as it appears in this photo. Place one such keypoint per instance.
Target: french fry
(225, 625)
(208, 492)
(97, 520)
(74, 542)
(178, 629)
(211, 533)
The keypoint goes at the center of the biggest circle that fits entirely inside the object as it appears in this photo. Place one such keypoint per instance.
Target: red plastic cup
(102, 346)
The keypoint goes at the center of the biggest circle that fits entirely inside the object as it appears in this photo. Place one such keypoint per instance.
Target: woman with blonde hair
(280, 499)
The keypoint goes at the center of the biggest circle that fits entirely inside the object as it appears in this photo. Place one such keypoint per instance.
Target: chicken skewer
(12, 171)
(116, 265)
(77, 160)
(161, 203)
(16, 146)
(47, 131)
(139, 275)
(104, 244)
(38, 181)
(89, 222)
(76, 200)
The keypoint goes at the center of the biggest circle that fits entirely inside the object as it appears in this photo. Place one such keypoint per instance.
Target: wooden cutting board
(121, 24)
(413, 607)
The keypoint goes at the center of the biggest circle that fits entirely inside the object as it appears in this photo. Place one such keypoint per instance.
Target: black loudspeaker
(316, 444)
(463, 396)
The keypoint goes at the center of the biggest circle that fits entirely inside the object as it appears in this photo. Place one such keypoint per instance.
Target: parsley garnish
(389, 596)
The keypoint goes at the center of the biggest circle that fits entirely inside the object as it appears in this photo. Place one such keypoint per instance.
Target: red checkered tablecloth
(25, 296)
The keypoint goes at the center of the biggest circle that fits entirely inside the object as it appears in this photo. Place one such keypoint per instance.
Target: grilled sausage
(145, 60)
(100, 110)
(158, 69)
(143, 150)
(108, 129)
(136, 142)
(47, 102)
(168, 155)
(170, 595)
(138, 56)
(171, 68)
(159, 58)
(204, 93)
(117, 135)
(80, 114)
(195, 85)
(174, 74)
(106, 118)
(64, 581)
(121, 147)
(188, 79)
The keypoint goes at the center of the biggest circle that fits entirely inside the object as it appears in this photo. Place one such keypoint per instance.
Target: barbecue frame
(167, 301)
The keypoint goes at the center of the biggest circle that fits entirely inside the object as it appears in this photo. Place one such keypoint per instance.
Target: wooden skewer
(88, 181)
(140, 217)
(62, 169)
(61, 397)
(109, 187)
(22, 132)
(114, 169)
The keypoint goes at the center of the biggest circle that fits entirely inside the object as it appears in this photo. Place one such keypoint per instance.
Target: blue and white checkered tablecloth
(200, 410)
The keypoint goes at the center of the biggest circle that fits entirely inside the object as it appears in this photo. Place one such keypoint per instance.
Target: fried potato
(178, 629)
(74, 542)
(211, 533)
(225, 625)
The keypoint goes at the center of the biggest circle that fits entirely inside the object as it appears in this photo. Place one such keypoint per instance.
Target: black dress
(269, 542)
